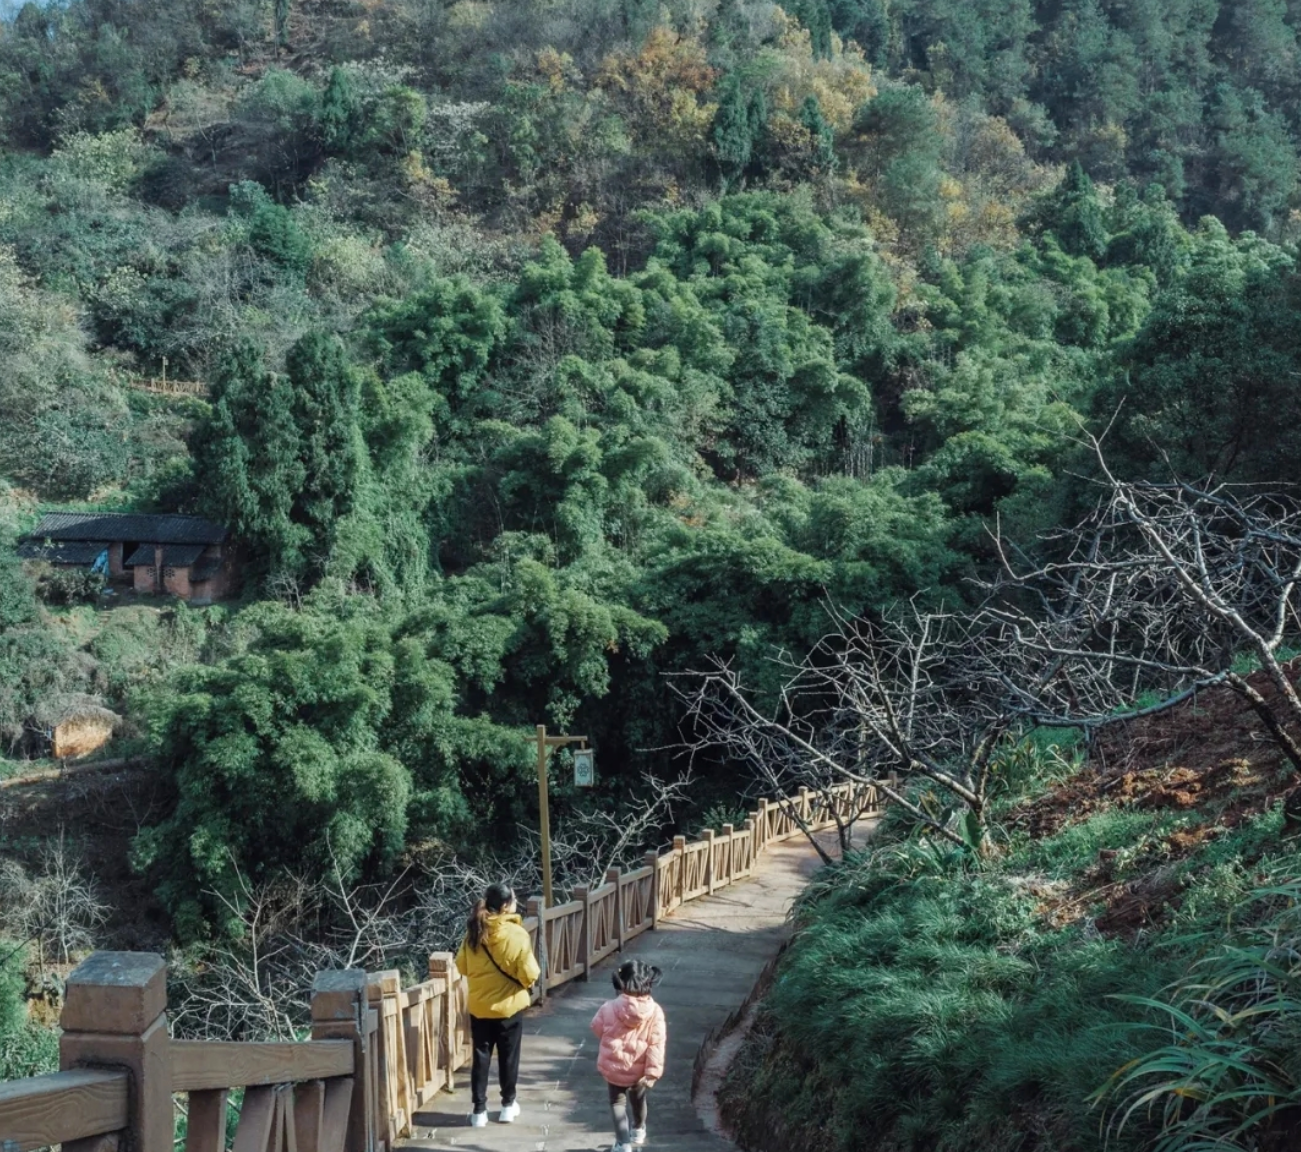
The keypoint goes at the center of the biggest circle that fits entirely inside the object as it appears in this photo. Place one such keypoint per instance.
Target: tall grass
(1225, 1071)
(929, 1010)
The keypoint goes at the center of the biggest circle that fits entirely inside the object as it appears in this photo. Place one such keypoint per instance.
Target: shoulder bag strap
(514, 979)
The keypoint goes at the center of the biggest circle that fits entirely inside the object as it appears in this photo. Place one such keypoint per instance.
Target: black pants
(627, 1105)
(505, 1036)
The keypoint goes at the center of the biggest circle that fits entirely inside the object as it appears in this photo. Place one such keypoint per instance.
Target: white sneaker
(638, 1137)
(478, 1119)
(509, 1113)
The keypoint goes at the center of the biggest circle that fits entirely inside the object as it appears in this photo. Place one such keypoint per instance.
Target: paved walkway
(712, 951)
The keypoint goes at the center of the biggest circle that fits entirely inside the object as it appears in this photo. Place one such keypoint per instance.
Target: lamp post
(545, 743)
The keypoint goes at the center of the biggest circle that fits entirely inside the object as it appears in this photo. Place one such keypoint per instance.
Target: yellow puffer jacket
(495, 995)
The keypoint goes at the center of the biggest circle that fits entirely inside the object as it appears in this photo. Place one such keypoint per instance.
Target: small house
(188, 556)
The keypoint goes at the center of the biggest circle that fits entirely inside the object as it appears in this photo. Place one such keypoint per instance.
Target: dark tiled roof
(174, 555)
(124, 526)
(204, 571)
(62, 551)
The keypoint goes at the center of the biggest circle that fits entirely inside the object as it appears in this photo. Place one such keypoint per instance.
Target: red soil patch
(1210, 757)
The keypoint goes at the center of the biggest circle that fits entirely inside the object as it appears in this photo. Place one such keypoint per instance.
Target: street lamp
(545, 743)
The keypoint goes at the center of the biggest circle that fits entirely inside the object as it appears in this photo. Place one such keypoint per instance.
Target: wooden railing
(378, 1053)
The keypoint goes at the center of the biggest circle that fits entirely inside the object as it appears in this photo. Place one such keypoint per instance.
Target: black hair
(494, 900)
(636, 977)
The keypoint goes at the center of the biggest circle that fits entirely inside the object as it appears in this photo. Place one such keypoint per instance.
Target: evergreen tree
(281, 9)
(820, 132)
(867, 23)
(248, 460)
(738, 127)
(816, 17)
(330, 445)
(1074, 214)
(339, 108)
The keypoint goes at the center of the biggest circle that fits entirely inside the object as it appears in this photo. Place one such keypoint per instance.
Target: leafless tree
(254, 982)
(1155, 596)
(58, 908)
(591, 840)
(1159, 593)
(875, 703)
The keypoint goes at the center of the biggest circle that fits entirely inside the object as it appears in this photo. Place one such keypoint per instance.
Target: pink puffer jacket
(633, 1035)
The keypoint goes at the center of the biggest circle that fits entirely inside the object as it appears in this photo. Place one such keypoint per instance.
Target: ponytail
(477, 924)
(494, 900)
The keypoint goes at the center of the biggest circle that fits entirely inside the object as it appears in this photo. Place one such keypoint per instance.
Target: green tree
(738, 127)
(1075, 215)
(821, 134)
(816, 17)
(898, 144)
(340, 109)
(248, 456)
(278, 765)
(1205, 387)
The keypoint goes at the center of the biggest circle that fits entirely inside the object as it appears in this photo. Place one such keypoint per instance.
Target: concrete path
(712, 951)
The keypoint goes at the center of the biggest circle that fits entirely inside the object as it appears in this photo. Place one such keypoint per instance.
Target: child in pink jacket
(632, 1033)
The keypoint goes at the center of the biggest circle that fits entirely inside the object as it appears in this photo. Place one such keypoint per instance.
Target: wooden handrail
(204, 1064)
(62, 1106)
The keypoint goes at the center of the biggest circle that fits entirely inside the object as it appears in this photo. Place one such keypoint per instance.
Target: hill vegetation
(542, 349)
(989, 1003)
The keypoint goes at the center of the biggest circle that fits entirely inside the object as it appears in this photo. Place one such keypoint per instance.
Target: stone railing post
(615, 876)
(652, 861)
(115, 1016)
(339, 1012)
(584, 896)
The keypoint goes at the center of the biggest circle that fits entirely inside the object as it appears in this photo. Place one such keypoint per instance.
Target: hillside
(991, 1004)
(538, 356)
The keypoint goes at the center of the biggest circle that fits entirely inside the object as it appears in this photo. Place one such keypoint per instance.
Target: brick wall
(177, 582)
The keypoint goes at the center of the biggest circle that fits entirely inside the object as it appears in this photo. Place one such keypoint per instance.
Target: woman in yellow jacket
(497, 959)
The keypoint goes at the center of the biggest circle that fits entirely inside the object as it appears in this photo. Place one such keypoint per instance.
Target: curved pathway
(712, 951)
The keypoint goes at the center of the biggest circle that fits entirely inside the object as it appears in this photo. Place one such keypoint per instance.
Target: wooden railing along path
(378, 1052)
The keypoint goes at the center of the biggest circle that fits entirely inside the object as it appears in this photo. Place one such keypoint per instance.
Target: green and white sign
(584, 768)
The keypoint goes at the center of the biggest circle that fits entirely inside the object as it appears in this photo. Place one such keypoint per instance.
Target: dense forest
(542, 350)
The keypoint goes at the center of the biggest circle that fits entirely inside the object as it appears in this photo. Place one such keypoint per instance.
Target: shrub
(68, 586)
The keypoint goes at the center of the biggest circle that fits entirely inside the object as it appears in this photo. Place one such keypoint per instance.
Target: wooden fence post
(708, 837)
(752, 827)
(442, 966)
(763, 823)
(115, 1015)
(678, 869)
(652, 861)
(729, 833)
(615, 876)
(339, 1011)
(395, 1106)
(584, 896)
(534, 911)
